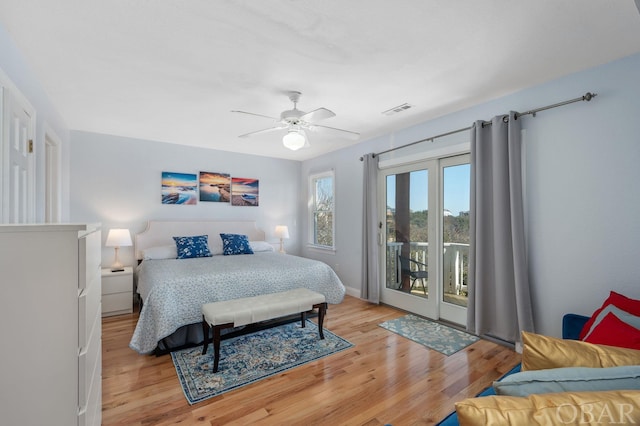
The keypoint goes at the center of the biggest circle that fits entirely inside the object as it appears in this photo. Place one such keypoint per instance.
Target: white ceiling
(172, 70)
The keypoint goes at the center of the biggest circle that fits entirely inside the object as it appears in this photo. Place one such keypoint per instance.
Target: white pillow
(160, 252)
(215, 249)
(260, 246)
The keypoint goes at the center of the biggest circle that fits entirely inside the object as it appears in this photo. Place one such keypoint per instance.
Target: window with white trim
(321, 210)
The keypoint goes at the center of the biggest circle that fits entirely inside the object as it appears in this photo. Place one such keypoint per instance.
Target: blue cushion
(194, 246)
(572, 326)
(570, 379)
(235, 244)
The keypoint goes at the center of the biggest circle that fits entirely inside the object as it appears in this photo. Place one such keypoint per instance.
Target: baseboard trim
(353, 292)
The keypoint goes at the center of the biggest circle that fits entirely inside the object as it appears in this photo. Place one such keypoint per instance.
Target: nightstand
(117, 291)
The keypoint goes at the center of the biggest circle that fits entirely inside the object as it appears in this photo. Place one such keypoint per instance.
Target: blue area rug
(252, 357)
(433, 335)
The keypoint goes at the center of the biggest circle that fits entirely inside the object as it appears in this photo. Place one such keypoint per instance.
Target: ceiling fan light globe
(293, 140)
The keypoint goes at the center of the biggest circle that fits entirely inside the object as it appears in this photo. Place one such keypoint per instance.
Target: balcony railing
(455, 261)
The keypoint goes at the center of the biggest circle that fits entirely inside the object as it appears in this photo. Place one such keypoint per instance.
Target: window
(321, 210)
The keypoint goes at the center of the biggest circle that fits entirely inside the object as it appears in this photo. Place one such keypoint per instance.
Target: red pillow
(628, 305)
(612, 331)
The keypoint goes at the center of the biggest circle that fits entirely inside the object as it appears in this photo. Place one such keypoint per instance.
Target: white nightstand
(117, 291)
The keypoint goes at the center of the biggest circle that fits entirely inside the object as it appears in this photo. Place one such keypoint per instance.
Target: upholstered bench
(249, 310)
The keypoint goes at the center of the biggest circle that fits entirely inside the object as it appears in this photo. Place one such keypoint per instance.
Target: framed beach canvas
(215, 187)
(245, 192)
(179, 188)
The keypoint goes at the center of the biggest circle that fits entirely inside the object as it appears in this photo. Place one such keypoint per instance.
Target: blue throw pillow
(569, 379)
(190, 247)
(235, 244)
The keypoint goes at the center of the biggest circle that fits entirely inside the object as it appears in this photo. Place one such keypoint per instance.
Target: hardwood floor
(383, 379)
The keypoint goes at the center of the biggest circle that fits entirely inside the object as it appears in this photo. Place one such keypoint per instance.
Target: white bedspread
(173, 291)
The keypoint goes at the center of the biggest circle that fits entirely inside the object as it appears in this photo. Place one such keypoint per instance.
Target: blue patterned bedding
(174, 290)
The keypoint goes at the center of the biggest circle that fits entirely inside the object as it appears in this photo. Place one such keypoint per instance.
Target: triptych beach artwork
(186, 188)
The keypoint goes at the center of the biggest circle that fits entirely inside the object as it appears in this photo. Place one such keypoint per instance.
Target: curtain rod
(586, 97)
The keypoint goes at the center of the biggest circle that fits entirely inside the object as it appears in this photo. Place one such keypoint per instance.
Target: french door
(426, 235)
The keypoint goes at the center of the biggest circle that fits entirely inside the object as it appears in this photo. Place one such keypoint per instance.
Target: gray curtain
(499, 294)
(370, 289)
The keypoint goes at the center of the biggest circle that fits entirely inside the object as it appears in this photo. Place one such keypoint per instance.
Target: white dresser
(50, 325)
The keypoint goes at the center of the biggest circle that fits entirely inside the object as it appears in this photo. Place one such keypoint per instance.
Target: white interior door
(18, 188)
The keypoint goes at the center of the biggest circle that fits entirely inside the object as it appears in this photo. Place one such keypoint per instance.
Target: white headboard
(161, 233)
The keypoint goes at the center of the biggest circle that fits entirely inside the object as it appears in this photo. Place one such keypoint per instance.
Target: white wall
(116, 181)
(16, 69)
(582, 193)
(582, 174)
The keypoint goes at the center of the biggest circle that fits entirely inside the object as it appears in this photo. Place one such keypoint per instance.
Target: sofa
(572, 329)
(572, 324)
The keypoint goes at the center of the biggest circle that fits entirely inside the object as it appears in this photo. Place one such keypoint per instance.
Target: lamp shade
(118, 238)
(294, 139)
(282, 231)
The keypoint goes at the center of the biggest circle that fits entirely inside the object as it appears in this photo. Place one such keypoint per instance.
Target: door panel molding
(52, 172)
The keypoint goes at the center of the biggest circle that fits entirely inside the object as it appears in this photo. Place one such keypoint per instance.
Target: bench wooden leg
(303, 319)
(205, 332)
(216, 347)
(322, 310)
(215, 338)
(216, 344)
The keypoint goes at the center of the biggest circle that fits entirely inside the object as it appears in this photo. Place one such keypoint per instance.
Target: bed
(173, 290)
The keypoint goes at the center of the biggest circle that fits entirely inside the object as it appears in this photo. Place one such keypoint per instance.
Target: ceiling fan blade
(253, 113)
(259, 132)
(336, 132)
(317, 115)
(306, 138)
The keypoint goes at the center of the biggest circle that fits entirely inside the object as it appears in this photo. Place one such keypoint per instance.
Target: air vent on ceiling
(397, 109)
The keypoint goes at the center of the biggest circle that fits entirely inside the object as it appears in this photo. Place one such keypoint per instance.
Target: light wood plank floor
(383, 379)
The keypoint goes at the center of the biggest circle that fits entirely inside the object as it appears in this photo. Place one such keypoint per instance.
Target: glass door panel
(456, 181)
(407, 232)
(406, 249)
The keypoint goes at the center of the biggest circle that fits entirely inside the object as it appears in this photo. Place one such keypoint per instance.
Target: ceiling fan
(297, 122)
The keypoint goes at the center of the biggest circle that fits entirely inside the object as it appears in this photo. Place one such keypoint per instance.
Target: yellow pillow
(544, 352)
(566, 408)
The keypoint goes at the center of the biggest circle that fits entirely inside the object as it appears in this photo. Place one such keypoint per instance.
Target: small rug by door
(252, 357)
(439, 337)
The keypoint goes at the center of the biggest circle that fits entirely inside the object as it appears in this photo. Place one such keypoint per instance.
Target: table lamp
(282, 232)
(118, 238)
